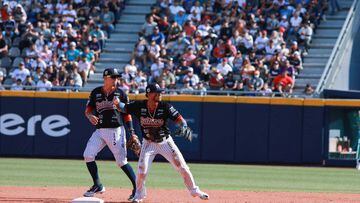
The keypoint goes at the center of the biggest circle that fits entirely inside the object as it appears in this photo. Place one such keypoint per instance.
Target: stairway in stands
(119, 47)
(321, 47)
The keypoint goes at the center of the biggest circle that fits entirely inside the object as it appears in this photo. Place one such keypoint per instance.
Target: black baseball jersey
(109, 116)
(153, 125)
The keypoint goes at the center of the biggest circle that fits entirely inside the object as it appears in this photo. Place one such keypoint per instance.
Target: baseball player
(109, 131)
(153, 115)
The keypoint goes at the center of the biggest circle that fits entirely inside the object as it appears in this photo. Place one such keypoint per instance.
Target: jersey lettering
(150, 122)
(104, 105)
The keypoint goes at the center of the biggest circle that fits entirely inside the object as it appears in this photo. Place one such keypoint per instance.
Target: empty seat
(8, 81)
(6, 62)
(14, 52)
(16, 42)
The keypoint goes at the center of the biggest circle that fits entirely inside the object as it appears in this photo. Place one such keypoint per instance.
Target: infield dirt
(66, 194)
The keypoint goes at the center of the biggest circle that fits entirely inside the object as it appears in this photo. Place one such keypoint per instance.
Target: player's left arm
(183, 129)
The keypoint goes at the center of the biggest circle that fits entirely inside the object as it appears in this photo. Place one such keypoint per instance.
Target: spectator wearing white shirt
(191, 78)
(295, 22)
(84, 68)
(61, 6)
(154, 51)
(186, 89)
(148, 26)
(43, 84)
(78, 82)
(305, 35)
(39, 62)
(284, 22)
(270, 50)
(175, 8)
(39, 43)
(156, 69)
(197, 7)
(261, 41)
(141, 81)
(131, 67)
(17, 85)
(224, 67)
(194, 16)
(20, 73)
(69, 13)
(248, 41)
(46, 54)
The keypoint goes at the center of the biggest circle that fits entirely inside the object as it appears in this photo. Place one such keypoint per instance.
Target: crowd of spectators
(48, 44)
(233, 45)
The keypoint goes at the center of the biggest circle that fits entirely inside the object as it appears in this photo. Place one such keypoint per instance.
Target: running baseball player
(153, 115)
(109, 131)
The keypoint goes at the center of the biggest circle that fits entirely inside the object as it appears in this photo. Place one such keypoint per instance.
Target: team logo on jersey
(98, 95)
(104, 105)
(143, 110)
(151, 122)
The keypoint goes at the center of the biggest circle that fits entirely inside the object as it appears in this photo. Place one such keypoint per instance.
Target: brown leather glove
(134, 144)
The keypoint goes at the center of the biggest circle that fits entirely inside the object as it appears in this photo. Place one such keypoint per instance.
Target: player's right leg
(172, 153)
(116, 141)
(93, 147)
(147, 155)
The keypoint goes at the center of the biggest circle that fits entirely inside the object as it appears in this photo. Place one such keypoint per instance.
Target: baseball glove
(134, 144)
(185, 132)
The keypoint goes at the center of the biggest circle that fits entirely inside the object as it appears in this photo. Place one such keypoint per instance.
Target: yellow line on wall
(253, 100)
(343, 102)
(287, 101)
(314, 102)
(12, 93)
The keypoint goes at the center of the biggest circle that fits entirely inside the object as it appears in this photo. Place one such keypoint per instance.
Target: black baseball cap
(153, 88)
(109, 72)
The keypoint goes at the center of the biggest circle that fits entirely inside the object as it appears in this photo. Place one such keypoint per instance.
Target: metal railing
(175, 91)
(333, 65)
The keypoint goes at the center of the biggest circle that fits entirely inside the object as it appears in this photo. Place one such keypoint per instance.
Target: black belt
(161, 139)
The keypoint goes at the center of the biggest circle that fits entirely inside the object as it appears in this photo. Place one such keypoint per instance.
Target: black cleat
(93, 190)
(131, 197)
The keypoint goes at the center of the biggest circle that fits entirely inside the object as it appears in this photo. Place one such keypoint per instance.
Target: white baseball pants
(114, 138)
(171, 152)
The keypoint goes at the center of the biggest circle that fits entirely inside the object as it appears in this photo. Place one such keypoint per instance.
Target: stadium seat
(6, 62)
(14, 52)
(16, 42)
(17, 61)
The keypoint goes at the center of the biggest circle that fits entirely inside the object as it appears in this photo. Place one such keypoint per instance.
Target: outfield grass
(57, 172)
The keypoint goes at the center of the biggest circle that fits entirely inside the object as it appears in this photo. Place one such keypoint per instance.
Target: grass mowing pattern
(58, 172)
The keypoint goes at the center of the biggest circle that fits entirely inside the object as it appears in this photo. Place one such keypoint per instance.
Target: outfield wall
(226, 129)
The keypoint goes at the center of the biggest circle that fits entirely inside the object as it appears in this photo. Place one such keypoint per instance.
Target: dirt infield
(66, 194)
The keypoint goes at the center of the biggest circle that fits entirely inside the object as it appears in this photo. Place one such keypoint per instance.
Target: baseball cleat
(139, 197)
(93, 190)
(137, 200)
(196, 192)
(131, 198)
(204, 196)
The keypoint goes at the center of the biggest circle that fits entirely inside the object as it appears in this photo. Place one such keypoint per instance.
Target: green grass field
(57, 172)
